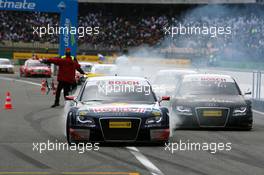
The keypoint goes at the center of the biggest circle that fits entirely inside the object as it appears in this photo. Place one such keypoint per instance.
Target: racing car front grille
(212, 117)
(120, 134)
(4, 69)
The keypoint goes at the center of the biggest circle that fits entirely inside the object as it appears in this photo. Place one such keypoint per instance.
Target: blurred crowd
(131, 27)
(18, 26)
(246, 38)
(121, 32)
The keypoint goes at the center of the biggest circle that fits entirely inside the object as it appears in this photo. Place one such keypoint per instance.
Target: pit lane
(32, 120)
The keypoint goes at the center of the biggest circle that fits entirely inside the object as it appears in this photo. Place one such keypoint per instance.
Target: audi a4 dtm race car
(116, 109)
(211, 101)
(35, 68)
(6, 66)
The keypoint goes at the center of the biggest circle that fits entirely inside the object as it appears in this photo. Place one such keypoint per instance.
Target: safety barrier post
(260, 83)
(256, 84)
(253, 85)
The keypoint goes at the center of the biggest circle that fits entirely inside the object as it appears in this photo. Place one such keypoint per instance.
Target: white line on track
(21, 81)
(145, 161)
(258, 112)
(133, 150)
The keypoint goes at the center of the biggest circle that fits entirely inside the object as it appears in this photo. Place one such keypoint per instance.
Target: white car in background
(96, 70)
(87, 68)
(166, 80)
(102, 70)
(6, 66)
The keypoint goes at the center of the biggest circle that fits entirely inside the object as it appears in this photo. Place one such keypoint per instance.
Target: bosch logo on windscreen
(25, 5)
(124, 82)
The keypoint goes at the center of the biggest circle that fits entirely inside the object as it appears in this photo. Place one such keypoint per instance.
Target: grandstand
(144, 26)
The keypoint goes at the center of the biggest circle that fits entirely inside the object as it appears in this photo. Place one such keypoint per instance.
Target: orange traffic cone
(8, 104)
(43, 87)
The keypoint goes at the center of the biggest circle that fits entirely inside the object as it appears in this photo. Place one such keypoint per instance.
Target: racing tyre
(70, 140)
(247, 129)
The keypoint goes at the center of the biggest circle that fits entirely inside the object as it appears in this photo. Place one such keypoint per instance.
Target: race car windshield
(36, 64)
(4, 62)
(142, 94)
(208, 88)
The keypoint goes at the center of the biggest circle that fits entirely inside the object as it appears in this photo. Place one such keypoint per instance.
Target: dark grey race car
(211, 101)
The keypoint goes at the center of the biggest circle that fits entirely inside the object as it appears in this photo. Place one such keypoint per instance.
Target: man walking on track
(66, 74)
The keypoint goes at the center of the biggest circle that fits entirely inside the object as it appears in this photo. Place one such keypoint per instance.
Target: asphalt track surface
(33, 121)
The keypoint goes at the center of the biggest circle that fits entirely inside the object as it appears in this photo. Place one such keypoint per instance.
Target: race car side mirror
(69, 98)
(165, 98)
(248, 93)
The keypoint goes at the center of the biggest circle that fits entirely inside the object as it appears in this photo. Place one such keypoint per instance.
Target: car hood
(211, 100)
(117, 109)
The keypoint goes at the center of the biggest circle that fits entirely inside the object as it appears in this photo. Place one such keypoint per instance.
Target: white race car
(102, 70)
(6, 66)
(165, 81)
(87, 68)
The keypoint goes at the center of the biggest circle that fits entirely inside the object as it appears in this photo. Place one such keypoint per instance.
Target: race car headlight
(154, 120)
(183, 110)
(240, 111)
(85, 120)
